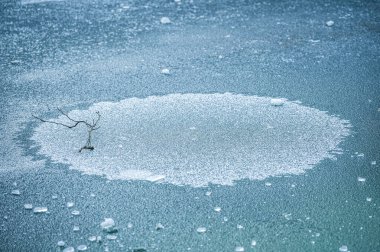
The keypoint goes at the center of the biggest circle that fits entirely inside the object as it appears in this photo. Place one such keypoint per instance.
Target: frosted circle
(196, 139)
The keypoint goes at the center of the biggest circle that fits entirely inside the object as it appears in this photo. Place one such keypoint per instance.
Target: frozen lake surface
(226, 125)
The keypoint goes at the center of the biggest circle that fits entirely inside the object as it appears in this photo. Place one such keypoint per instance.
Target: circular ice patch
(196, 139)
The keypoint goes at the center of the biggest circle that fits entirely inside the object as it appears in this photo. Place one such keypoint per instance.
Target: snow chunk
(108, 225)
(165, 20)
(277, 102)
(159, 226)
(201, 230)
(16, 192)
(217, 209)
(239, 249)
(61, 244)
(330, 23)
(70, 204)
(69, 249)
(75, 213)
(361, 179)
(82, 248)
(165, 71)
(28, 206)
(343, 248)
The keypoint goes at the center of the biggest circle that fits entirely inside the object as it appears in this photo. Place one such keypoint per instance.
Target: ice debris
(361, 179)
(159, 226)
(343, 248)
(201, 230)
(61, 244)
(217, 209)
(368, 199)
(108, 225)
(92, 238)
(277, 102)
(70, 204)
(69, 249)
(111, 237)
(330, 23)
(165, 20)
(82, 248)
(76, 228)
(16, 192)
(239, 249)
(28, 206)
(40, 210)
(75, 213)
(253, 243)
(165, 71)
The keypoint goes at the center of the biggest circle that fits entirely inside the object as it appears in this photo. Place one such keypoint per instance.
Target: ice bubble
(16, 192)
(277, 102)
(343, 248)
(70, 204)
(217, 209)
(82, 248)
(165, 20)
(61, 244)
(201, 230)
(75, 213)
(108, 225)
(159, 226)
(239, 249)
(228, 127)
(69, 249)
(28, 206)
(165, 71)
(40, 210)
(330, 23)
(361, 179)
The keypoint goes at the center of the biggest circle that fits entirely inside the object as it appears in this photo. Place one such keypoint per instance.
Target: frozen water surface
(215, 115)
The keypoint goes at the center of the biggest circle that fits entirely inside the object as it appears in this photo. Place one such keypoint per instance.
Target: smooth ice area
(196, 139)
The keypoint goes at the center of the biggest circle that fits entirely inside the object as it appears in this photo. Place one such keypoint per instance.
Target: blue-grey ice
(197, 139)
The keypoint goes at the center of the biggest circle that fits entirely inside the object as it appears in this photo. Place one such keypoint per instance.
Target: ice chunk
(165, 20)
(28, 206)
(217, 209)
(82, 248)
(16, 192)
(373, 162)
(343, 248)
(268, 184)
(330, 23)
(69, 249)
(129, 225)
(201, 230)
(70, 204)
(277, 102)
(368, 199)
(76, 228)
(54, 197)
(165, 71)
(239, 249)
(40, 210)
(108, 225)
(253, 243)
(92, 238)
(75, 213)
(159, 226)
(361, 179)
(238, 226)
(208, 193)
(111, 237)
(61, 244)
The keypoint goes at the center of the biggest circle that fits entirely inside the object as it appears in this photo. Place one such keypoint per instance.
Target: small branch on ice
(90, 126)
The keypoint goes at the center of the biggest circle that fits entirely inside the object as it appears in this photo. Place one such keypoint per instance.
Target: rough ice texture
(196, 139)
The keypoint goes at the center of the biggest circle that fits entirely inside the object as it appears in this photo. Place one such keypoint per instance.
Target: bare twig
(90, 126)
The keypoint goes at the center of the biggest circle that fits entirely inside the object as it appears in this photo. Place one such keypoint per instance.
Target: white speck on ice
(361, 179)
(70, 204)
(268, 184)
(61, 244)
(129, 225)
(165, 20)
(165, 71)
(159, 226)
(239, 249)
(40, 210)
(217, 209)
(368, 199)
(277, 101)
(76, 228)
(239, 226)
(373, 163)
(28, 206)
(208, 193)
(111, 237)
(75, 213)
(92, 238)
(201, 230)
(54, 197)
(69, 249)
(330, 23)
(253, 243)
(16, 192)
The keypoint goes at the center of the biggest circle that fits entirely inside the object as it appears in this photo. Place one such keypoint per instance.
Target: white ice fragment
(108, 225)
(330, 23)
(368, 199)
(76, 228)
(268, 184)
(239, 226)
(61, 244)
(253, 243)
(16, 62)
(217, 209)
(111, 237)
(82, 248)
(69, 249)
(343, 248)
(165, 20)
(225, 219)
(54, 197)
(28, 206)
(208, 193)
(98, 239)
(165, 71)
(361, 179)
(159, 226)
(129, 225)
(40, 210)
(16, 192)
(70, 204)
(92, 195)
(277, 102)
(92, 238)
(75, 213)
(373, 163)
(201, 230)
(155, 178)
(239, 249)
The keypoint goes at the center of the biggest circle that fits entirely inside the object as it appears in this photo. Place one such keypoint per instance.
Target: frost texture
(196, 139)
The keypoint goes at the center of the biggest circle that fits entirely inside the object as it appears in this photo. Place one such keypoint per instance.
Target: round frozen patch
(196, 139)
